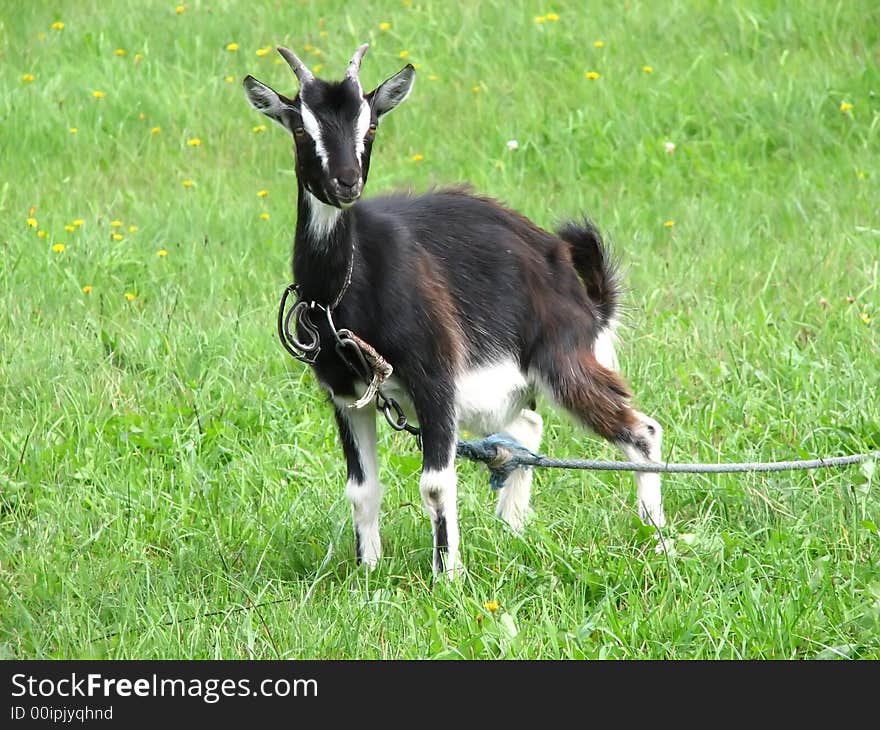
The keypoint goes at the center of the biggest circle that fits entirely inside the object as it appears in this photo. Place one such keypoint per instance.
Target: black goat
(474, 306)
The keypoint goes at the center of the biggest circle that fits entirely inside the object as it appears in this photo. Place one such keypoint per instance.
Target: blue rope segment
(502, 454)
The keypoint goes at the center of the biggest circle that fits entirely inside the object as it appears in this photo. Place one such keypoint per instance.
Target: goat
(476, 307)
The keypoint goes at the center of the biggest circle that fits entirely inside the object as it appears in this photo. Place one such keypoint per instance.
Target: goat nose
(347, 179)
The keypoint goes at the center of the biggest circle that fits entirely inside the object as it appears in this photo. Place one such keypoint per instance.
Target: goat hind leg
(513, 497)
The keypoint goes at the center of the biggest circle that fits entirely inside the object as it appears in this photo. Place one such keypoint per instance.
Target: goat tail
(595, 266)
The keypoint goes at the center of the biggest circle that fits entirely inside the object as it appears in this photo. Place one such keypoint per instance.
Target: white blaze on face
(361, 128)
(313, 129)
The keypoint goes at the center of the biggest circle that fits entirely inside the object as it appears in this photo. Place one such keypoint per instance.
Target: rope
(503, 455)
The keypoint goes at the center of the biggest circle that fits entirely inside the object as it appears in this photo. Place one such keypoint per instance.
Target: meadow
(170, 480)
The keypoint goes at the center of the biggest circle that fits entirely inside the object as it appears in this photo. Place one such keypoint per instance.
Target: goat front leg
(357, 431)
(439, 484)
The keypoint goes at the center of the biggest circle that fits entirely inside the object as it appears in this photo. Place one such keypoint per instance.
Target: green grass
(165, 468)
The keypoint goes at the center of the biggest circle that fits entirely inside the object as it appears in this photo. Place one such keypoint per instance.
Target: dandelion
(540, 18)
(263, 51)
(232, 47)
(418, 157)
(512, 144)
(308, 47)
(70, 228)
(668, 224)
(194, 142)
(476, 89)
(99, 94)
(161, 253)
(591, 75)
(117, 236)
(262, 193)
(27, 78)
(32, 222)
(599, 44)
(58, 247)
(57, 25)
(317, 52)
(73, 130)
(78, 222)
(179, 9)
(87, 289)
(41, 234)
(229, 79)
(115, 224)
(131, 297)
(132, 229)
(120, 51)
(403, 54)
(187, 183)
(669, 147)
(155, 130)
(141, 115)
(648, 69)
(491, 606)
(845, 106)
(552, 17)
(259, 128)
(866, 318)
(317, 68)
(264, 216)
(384, 26)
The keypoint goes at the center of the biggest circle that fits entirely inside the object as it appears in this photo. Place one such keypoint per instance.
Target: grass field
(170, 481)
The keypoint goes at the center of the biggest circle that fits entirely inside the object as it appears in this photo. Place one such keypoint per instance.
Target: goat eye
(299, 132)
(371, 132)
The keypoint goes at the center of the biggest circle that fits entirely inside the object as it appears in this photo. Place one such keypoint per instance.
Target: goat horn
(354, 65)
(299, 68)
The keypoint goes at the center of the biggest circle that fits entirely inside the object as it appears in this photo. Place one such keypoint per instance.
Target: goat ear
(391, 92)
(268, 101)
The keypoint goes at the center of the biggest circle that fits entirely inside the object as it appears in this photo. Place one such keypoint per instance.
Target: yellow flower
(433, 77)
(58, 247)
(32, 210)
(141, 115)
(32, 222)
(317, 52)
(188, 183)
(591, 75)
(553, 17)
(131, 297)
(845, 106)
(384, 26)
(138, 57)
(132, 229)
(78, 222)
(87, 289)
(118, 236)
(866, 318)
(323, 34)
(259, 128)
(120, 51)
(403, 54)
(27, 78)
(179, 9)
(418, 157)
(262, 193)
(308, 47)
(155, 130)
(263, 51)
(540, 18)
(70, 228)
(73, 130)
(669, 224)
(57, 25)
(648, 69)
(229, 79)
(161, 252)
(98, 94)
(599, 44)
(194, 142)
(232, 47)
(41, 234)
(115, 224)
(491, 606)
(317, 68)
(264, 216)
(475, 89)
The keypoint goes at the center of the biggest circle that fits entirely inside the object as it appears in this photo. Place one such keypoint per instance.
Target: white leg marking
(439, 491)
(513, 497)
(604, 349)
(648, 484)
(365, 497)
